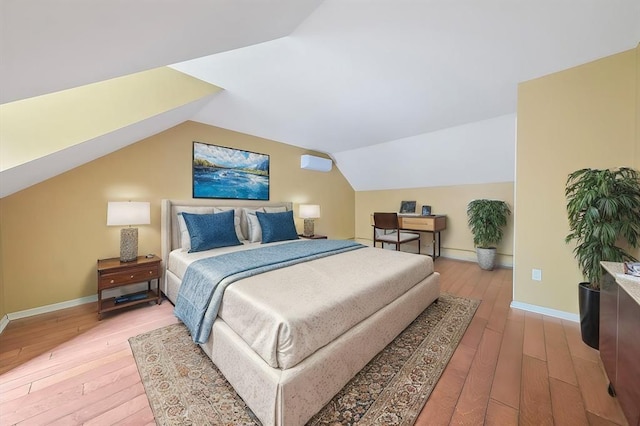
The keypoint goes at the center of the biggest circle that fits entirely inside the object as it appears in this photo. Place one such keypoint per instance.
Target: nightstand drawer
(130, 276)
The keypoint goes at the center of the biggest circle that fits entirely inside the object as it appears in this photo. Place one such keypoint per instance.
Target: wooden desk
(432, 224)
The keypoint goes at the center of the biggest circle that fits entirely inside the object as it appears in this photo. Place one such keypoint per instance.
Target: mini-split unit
(311, 162)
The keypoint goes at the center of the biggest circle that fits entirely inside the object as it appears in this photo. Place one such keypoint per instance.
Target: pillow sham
(277, 226)
(209, 231)
(254, 231)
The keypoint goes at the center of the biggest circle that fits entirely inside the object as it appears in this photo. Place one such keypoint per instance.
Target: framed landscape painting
(221, 172)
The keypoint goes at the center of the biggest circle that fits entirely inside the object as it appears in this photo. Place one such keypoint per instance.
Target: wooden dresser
(619, 342)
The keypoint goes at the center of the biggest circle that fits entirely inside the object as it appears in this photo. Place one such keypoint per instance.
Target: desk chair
(385, 222)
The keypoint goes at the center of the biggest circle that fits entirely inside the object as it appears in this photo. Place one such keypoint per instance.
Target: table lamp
(308, 212)
(127, 213)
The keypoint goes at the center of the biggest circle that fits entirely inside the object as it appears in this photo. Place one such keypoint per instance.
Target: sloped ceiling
(51, 45)
(335, 76)
(361, 73)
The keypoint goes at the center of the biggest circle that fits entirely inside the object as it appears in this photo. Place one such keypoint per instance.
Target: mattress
(287, 314)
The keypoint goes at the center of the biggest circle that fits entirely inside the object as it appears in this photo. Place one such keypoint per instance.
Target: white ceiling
(334, 76)
(359, 73)
(50, 45)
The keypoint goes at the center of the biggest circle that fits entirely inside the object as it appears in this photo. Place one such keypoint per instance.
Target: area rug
(185, 388)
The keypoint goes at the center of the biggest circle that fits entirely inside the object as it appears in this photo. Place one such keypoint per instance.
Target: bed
(289, 339)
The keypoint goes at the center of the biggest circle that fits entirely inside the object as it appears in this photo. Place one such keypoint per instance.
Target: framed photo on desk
(408, 207)
(426, 210)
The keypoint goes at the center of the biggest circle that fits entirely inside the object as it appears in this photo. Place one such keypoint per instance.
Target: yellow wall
(53, 232)
(3, 310)
(581, 117)
(636, 161)
(35, 127)
(457, 240)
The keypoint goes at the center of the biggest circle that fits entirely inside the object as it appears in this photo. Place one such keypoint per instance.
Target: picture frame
(407, 207)
(426, 210)
(229, 173)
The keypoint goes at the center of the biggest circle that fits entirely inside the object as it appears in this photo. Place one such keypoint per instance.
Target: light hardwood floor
(512, 367)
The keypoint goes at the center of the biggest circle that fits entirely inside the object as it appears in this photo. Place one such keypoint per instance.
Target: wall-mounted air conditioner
(311, 162)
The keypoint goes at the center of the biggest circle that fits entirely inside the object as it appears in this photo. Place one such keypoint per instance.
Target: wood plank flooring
(511, 367)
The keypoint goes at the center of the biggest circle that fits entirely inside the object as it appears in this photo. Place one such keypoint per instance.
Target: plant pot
(589, 304)
(486, 258)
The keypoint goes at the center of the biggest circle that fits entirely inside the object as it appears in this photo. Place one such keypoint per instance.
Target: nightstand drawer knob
(112, 281)
(150, 272)
(131, 276)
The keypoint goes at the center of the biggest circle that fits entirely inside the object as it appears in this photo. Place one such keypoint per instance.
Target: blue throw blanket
(205, 280)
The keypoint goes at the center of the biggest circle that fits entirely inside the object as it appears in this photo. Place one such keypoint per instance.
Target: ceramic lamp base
(128, 244)
(308, 228)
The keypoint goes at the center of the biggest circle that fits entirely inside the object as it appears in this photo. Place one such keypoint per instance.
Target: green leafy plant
(487, 219)
(603, 207)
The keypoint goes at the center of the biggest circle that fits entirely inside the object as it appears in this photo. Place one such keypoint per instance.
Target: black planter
(589, 301)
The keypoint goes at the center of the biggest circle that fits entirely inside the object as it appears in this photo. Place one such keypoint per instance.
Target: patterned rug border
(184, 387)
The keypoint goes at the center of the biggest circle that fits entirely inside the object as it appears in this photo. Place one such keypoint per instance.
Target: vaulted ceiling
(335, 76)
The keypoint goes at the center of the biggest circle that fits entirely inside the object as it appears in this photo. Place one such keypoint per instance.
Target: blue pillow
(277, 226)
(209, 231)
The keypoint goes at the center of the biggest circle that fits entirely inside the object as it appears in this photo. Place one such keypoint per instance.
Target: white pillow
(275, 209)
(253, 225)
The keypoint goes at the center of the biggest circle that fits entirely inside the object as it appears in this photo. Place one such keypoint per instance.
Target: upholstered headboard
(170, 230)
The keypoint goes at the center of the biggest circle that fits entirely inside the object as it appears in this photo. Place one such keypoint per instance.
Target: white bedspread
(287, 314)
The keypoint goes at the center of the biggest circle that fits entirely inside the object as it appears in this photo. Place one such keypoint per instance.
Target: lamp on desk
(308, 212)
(127, 213)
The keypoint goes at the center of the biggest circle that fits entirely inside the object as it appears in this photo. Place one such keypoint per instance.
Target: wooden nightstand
(112, 273)
(314, 237)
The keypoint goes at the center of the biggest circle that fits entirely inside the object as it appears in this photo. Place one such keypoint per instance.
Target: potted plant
(603, 208)
(487, 218)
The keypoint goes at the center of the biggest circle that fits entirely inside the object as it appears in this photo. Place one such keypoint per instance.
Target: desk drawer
(417, 224)
(132, 276)
(424, 223)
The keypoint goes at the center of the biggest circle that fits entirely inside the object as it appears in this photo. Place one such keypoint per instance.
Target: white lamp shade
(309, 211)
(123, 213)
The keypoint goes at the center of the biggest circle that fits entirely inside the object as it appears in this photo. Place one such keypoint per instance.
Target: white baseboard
(51, 308)
(4, 321)
(503, 261)
(113, 292)
(546, 311)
